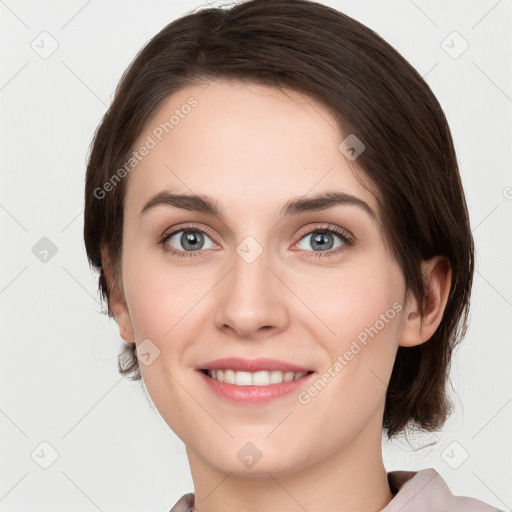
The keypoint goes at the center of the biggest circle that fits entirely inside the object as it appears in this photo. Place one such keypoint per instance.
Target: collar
(414, 491)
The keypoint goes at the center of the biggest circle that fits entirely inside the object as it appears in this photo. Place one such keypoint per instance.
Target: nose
(251, 300)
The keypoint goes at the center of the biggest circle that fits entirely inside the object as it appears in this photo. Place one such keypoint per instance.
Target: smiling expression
(247, 234)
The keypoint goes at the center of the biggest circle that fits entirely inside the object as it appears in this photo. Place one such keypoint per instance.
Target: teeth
(262, 378)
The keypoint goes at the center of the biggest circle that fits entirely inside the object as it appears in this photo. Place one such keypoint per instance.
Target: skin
(252, 148)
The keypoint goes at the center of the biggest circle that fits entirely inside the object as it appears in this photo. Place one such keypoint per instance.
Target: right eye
(188, 239)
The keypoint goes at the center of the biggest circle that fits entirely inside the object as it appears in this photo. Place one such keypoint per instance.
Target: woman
(274, 206)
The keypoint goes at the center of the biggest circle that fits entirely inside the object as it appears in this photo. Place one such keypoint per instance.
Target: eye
(322, 241)
(186, 241)
(190, 240)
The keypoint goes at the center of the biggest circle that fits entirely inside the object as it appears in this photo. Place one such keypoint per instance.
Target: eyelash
(348, 241)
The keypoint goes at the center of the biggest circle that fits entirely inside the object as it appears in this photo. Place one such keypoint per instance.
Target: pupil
(322, 240)
(191, 240)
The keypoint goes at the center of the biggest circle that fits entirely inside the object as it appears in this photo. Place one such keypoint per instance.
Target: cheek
(348, 301)
(358, 316)
(156, 307)
(360, 357)
(162, 298)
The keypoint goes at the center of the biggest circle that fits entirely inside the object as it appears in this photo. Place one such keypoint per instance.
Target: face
(309, 283)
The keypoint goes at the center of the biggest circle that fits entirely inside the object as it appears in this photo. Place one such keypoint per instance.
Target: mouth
(254, 381)
(259, 378)
(259, 388)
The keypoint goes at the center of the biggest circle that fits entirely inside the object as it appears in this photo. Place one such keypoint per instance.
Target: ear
(415, 330)
(117, 300)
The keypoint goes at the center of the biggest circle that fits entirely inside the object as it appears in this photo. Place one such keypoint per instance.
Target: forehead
(243, 143)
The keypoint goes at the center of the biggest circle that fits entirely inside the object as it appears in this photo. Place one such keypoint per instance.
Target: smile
(254, 388)
(260, 378)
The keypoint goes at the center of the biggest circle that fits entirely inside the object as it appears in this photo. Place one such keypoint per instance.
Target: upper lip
(251, 365)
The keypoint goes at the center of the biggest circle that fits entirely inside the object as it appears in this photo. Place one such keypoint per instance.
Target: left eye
(321, 241)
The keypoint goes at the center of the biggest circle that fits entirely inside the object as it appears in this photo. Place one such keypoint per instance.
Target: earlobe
(415, 329)
(126, 334)
(117, 302)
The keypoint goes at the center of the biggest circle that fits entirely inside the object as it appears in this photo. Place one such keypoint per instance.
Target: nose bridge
(250, 299)
(250, 272)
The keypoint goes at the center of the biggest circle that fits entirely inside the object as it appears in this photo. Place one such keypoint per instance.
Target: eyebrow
(206, 204)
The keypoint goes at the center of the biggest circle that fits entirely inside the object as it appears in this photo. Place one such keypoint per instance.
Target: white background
(58, 364)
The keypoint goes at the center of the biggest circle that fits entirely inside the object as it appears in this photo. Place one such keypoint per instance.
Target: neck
(351, 479)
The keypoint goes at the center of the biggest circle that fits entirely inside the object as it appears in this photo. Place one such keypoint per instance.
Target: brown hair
(374, 93)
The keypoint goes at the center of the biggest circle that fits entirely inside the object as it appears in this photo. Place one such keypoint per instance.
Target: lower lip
(255, 394)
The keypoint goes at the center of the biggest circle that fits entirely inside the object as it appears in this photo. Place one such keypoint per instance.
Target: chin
(251, 459)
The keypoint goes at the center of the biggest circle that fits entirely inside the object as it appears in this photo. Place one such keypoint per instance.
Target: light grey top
(414, 491)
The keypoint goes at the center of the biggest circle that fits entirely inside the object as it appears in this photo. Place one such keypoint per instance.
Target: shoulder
(415, 491)
(184, 504)
(425, 490)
